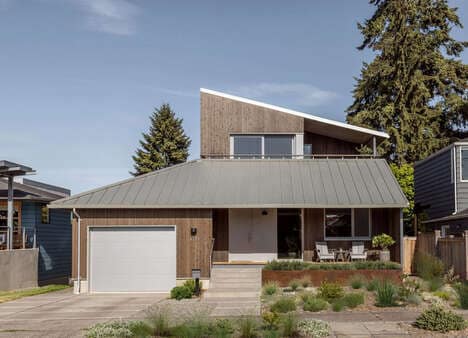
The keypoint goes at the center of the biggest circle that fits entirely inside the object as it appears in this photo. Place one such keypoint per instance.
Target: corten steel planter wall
(283, 277)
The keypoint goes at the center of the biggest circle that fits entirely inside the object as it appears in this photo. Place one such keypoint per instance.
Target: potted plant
(383, 241)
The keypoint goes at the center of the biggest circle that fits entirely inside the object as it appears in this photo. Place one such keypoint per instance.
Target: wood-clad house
(270, 183)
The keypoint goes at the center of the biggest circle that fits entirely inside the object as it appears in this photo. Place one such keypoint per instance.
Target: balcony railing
(286, 156)
(23, 238)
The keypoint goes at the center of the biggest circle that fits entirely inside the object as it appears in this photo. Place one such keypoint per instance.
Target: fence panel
(409, 247)
(453, 253)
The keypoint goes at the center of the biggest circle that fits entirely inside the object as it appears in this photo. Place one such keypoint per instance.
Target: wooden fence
(453, 251)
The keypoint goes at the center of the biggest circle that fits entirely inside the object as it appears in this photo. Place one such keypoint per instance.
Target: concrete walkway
(63, 314)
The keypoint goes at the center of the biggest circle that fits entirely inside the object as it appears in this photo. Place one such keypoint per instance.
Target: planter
(284, 277)
(384, 255)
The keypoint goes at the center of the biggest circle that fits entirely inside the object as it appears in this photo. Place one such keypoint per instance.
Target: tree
(416, 87)
(164, 145)
(405, 177)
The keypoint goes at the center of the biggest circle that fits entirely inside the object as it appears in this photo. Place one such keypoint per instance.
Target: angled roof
(462, 214)
(8, 168)
(314, 183)
(314, 123)
(32, 191)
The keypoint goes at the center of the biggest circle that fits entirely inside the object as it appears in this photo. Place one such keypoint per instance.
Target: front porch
(256, 236)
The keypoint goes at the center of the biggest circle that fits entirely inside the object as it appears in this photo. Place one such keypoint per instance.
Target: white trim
(352, 238)
(296, 113)
(454, 178)
(443, 230)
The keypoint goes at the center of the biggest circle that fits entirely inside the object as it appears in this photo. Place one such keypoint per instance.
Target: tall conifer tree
(416, 86)
(164, 145)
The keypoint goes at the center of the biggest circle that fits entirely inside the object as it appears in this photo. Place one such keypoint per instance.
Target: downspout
(78, 260)
(455, 180)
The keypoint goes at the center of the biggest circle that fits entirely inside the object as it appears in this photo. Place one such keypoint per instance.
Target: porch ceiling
(315, 183)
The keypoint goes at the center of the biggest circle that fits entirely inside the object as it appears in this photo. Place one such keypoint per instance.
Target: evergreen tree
(164, 145)
(416, 87)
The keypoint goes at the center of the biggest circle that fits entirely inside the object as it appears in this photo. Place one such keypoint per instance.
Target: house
(35, 225)
(269, 184)
(441, 189)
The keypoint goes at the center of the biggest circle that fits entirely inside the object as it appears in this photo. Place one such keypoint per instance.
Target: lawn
(6, 296)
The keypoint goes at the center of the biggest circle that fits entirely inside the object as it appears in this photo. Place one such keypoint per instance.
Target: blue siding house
(47, 229)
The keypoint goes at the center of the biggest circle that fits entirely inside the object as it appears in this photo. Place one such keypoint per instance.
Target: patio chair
(322, 252)
(358, 252)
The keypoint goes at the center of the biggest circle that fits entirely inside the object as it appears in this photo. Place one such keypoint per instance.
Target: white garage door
(132, 259)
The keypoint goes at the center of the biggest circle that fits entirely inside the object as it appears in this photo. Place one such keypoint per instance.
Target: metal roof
(32, 191)
(315, 183)
(8, 168)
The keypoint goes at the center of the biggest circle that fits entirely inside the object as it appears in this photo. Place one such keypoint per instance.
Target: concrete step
(235, 312)
(233, 300)
(235, 273)
(231, 293)
(217, 284)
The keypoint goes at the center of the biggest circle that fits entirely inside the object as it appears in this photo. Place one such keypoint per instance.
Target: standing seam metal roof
(314, 183)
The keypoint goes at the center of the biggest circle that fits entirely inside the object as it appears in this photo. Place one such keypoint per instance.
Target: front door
(289, 233)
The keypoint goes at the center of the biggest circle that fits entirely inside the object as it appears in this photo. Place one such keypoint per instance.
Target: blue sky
(79, 78)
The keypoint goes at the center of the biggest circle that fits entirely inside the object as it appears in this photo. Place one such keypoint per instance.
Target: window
(347, 223)
(262, 146)
(307, 150)
(45, 214)
(247, 146)
(464, 164)
(278, 146)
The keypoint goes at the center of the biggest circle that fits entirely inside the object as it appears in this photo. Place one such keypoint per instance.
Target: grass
(357, 281)
(385, 294)
(6, 296)
(270, 288)
(315, 305)
(284, 304)
(353, 300)
(298, 265)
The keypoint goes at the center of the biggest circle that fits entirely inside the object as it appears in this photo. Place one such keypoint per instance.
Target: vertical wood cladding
(327, 145)
(383, 221)
(221, 235)
(193, 252)
(221, 116)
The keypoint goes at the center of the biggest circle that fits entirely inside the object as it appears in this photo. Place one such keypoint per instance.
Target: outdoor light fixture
(264, 212)
(196, 274)
(193, 231)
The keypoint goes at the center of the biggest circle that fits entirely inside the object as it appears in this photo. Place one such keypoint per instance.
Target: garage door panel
(132, 259)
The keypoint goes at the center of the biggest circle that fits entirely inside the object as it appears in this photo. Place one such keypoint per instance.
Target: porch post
(374, 146)
(10, 214)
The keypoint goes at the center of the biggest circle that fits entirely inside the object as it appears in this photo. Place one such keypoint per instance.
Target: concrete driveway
(63, 314)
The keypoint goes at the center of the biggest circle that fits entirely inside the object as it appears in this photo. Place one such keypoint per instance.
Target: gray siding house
(50, 229)
(441, 188)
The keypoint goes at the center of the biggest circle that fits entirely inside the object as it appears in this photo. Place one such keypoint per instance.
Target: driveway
(63, 314)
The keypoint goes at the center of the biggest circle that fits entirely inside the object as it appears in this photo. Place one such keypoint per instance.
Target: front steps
(235, 290)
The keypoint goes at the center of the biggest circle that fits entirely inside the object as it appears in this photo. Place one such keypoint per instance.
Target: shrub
(445, 295)
(159, 320)
(181, 292)
(283, 305)
(313, 328)
(357, 281)
(409, 287)
(382, 241)
(428, 266)
(462, 291)
(270, 288)
(190, 284)
(376, 265)
(315, 304)
(247, 327)
(437, 319)
(294, 284)
(352, 300)
(270, 333)
(305, 296)
(450, 277)
(305, 282)
(222, 328)
(435, 284)
(359, 265)
(271, 320)
(330, 291)
(414, 299)
(338, 305)
(372, 285)
(118, 329)
(386, 293)
(289, 325)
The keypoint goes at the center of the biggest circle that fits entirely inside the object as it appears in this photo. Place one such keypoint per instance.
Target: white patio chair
(322, 252)
(358, 252)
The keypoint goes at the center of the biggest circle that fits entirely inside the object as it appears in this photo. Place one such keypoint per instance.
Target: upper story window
(262, 146)
(347, 223)
(464, 164)
(45, 217)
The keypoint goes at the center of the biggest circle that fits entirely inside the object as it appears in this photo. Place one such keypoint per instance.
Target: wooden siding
(221, 235)
(16, 206)
(433, 185)
(54, 241)
(193, 252)
(221, 116)
(327, 145)
(383, 221)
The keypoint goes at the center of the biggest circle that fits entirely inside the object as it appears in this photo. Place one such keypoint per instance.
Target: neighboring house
(34, 222)
(441, 189)
(269, 184)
